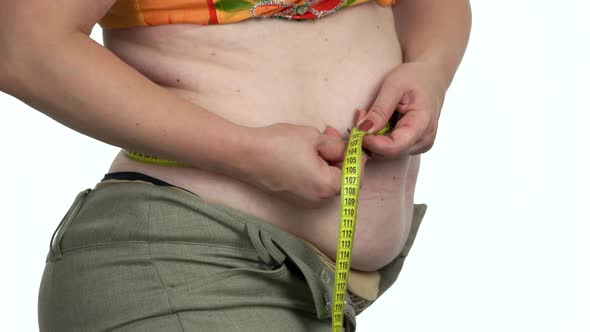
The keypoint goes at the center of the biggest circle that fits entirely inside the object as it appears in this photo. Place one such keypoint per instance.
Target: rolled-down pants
(135, 256)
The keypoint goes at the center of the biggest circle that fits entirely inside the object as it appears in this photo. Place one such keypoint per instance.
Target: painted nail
(365, 125)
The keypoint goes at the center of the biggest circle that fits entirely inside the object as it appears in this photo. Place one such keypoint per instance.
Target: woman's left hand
(416, 90)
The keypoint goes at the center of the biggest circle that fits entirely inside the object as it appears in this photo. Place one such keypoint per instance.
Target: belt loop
(55, 242)
(264, 245)
(272, 249)
(253, 233)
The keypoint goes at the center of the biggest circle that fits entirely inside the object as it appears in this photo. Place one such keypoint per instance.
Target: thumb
(382, 109)
(332, 148)
(331, 131)
(334, 178)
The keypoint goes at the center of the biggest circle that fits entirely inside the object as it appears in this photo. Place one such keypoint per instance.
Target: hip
(130, 256)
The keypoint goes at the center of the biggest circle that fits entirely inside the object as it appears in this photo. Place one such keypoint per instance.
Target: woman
(258, 107)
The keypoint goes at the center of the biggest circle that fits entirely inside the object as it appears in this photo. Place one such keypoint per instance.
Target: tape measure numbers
(349, 194)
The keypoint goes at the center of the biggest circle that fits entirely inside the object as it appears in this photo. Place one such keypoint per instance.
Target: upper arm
(29, 27)
(21, 17)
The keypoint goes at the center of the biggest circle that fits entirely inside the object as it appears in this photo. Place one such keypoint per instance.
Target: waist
(385, 206)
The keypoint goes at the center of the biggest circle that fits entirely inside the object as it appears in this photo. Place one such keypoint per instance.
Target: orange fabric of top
(132, 13)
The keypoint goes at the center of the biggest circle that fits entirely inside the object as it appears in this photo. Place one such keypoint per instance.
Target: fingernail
(366, 124)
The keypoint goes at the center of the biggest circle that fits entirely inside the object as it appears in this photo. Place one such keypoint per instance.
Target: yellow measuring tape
(349, 194)
(153, 160)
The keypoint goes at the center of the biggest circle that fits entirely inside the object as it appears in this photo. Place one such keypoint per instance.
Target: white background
(503, 246)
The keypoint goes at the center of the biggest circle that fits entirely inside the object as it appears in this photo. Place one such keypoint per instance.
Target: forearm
(434, 31)
(84, 86)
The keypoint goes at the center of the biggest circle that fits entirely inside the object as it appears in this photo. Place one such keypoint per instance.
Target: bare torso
(263, 71)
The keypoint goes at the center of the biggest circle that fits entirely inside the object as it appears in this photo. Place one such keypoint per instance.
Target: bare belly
(259, 72)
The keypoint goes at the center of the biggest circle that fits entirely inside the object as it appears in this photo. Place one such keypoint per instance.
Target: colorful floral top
(130, 13)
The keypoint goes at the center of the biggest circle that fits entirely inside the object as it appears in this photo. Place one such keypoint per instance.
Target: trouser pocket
(55, 249)
(305, 268)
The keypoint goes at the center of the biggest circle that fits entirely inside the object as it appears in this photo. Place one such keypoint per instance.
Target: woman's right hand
(296, 162)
